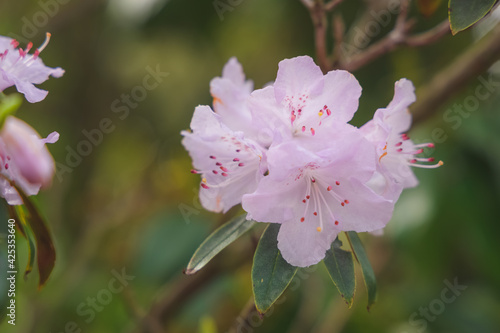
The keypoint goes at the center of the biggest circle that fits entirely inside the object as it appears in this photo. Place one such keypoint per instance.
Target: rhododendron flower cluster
(288, 154)
(24, 159)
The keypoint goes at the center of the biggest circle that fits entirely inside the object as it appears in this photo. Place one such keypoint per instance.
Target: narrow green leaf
(366, 267)
(45, 251)
(271, 274)
(340, 266)
(217, 241)
(19, 215)
(464, 13)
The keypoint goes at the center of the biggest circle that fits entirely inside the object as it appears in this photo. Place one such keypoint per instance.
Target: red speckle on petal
(241, 164)
(315, 213)
(224, 174)
(303, 128)
(236, 159)
(304, 201)
(337, 183)
(328, 112)
(302, 219)
(336, 222)
(313, 131)
(308, 197)
(346, 201)
(343, 204)
(224, 169)
(212, 157)
(205, 186)
(329, 188)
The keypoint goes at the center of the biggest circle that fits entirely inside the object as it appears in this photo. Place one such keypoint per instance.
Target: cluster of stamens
(314, 191)
(222, 167)
(410, 153)
(24, 52)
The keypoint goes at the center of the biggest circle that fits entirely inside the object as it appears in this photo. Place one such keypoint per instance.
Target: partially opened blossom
(315, 194)
(303, 101)
(25, 159)
(396, 152)
(21, 69)
(230, 164)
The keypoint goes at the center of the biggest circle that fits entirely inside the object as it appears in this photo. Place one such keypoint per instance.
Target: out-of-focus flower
(23, 70)
(230, 164)
(24, 159)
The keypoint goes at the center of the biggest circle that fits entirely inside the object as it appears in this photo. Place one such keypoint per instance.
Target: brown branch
(318, 17)
(453, 78)
(244, 315)
(398, 37)
(330, 6)
(431, 36)
(338, 27)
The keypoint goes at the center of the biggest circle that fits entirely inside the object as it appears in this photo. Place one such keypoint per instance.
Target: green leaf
(271, 274)
(366, 267)
(19, 215)
(464, 13)
(218, 241)
(45, 252)
(340, 266)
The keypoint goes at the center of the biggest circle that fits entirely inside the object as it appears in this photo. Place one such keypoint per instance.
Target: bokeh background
(131, 203)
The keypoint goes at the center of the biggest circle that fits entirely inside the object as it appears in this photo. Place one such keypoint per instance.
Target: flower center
(319, 197)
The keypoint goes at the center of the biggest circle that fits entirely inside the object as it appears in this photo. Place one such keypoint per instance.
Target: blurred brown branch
(398, 37)
(474, 61)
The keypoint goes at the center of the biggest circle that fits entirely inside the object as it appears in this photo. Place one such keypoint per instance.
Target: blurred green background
(131, 204)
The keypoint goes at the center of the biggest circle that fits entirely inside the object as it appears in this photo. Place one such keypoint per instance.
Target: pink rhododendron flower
(229, 163)
(24, 159)
(303, 101)
(24, 70)
(396, 152)
(315, 194)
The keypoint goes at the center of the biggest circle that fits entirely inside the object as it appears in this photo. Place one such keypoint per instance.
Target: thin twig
(330, 6)
(338, 34)
(244, 316)
(395, 39)
(318, 17)
(452, 79)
